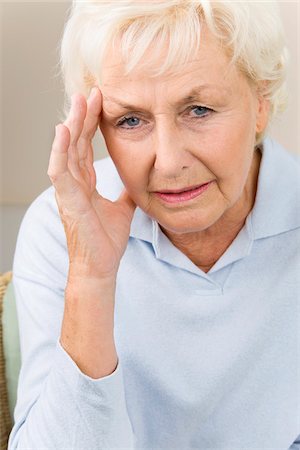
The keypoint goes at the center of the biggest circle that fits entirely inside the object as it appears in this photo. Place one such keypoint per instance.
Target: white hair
(251, 32)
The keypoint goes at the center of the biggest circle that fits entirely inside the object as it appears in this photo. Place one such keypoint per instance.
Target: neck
(204, 248)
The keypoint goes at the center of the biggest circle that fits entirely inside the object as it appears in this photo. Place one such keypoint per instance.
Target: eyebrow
(198, 90)
(190, 97)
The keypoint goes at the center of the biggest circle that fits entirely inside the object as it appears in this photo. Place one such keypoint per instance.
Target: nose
(172, 157)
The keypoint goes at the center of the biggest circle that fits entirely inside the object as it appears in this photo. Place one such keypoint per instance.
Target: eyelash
(124, 119)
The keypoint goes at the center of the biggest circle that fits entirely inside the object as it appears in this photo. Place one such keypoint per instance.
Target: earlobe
(262, 116)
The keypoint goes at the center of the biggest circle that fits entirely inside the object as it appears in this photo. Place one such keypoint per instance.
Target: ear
(263, 109)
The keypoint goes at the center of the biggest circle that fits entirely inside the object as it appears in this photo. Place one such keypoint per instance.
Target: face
(183, 142)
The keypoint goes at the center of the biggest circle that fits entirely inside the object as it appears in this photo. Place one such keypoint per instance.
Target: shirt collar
(276, 208)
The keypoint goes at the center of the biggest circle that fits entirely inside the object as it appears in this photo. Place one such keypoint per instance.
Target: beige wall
(32, 95)
(31, 98)
(286, 128)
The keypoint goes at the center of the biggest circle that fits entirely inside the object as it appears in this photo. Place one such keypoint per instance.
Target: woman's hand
(97, 230)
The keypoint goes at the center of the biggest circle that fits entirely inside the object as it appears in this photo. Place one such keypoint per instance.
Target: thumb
(127, 203)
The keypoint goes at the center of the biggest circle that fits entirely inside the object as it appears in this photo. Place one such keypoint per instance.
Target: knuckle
(53, 176)
(85, 137)
(88, 133)
(72, 122)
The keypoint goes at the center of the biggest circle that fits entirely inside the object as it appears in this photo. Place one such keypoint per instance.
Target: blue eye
(200, 111)
(131, 122)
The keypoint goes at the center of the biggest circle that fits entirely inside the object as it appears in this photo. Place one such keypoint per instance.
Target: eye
(200, 111)
(129, 122)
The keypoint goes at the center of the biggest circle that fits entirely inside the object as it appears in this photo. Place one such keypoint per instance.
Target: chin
(186, 226)
(183, 220)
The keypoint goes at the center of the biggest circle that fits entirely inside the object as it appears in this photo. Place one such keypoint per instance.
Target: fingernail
(94, 91)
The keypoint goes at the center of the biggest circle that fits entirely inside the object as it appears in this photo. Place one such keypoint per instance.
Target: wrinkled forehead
(206, 60)
(208, 79)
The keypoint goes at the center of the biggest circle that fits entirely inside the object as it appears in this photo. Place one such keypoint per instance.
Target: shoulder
(41, 244)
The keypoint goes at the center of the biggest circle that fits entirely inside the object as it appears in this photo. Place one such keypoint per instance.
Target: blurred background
(32, 100)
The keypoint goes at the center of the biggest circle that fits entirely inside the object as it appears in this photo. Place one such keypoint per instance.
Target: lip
(184, 194)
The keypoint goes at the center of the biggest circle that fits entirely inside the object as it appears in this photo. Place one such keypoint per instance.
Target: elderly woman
(157, 288)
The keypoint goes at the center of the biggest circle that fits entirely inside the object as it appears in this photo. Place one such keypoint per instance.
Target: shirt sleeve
(58, 407)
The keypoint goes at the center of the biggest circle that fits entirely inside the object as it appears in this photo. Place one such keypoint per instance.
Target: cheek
(131, 161)
(228, 146)
(230, 143)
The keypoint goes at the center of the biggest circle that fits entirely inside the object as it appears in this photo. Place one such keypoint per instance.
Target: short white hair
(250, 32)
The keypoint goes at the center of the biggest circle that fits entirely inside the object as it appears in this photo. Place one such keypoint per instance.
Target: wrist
(81, 272)
(78, 280)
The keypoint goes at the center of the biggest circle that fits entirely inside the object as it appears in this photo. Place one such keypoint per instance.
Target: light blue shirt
(206, 360)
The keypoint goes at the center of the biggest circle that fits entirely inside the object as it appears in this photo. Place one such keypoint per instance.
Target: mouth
(184, 194)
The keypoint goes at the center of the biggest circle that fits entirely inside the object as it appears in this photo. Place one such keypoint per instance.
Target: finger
(58, 171)
(94, 104)
(58, 162)
(88, 169)
(76, 117)
(84, 144)
(75, 124)
(82, 122)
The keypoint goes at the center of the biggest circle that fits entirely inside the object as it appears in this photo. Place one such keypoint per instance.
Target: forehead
(210, 69)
